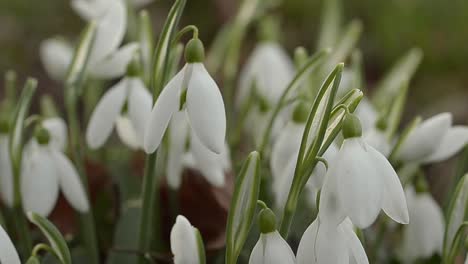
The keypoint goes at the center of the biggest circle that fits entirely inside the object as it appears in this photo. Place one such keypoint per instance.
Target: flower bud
(351, 126)
(42, 135)
(267, 221)
(300, 113)
(194, 51)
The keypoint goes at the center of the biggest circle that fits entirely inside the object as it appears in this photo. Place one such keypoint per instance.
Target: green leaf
(401, 72)
(53, 235)
(161, 54)
(201, 247)
(457, 214)
(395, 111)
(145, 37)
(126, 235)
(77, 68)
(242, 209)
(330, 24)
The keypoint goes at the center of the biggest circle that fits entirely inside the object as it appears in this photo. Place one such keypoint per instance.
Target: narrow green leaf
(145, 37)
(77, 68)
(201, 247)
(330, 24)
(457, 214)
(243, 204)
(56, 240)
(402, 71)
(395, 111)
(126, 234)
(161, 54)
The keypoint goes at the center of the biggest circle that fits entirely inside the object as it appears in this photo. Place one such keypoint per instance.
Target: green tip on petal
(267, 221)
(300, 113)
(194, 51)
(351, 126)
(42, 135)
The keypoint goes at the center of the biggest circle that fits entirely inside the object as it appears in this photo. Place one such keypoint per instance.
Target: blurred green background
(438, 27)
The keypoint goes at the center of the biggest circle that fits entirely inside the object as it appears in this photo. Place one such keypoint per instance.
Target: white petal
(166, 105)
(394, 201)
(56, 55)
(177, 142)
(110, 31)
(8, 254)
(425, 215)
(331, 207)
(205, 108)
(354, 244)
(322, 244)
(208, 162)
(90, 10)
(285, 147)
(273, 249)
(70, 182)
(452, 142)
(425, 138)
(318, 175)
(105, 114)
(140, 103)
(377, 139)
(6, 173)
(39, 183)
(127, 132)
(184, 242)
(357, 172)
(115, 64)
(271, 68)
(57, 129)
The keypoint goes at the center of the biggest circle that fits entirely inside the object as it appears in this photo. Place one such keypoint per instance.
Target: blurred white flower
(45, 170)
(110, 111)
(92, 9)
(376, 138)
(6, 173)
(424, 235)
(184, 242)
(203, 104)
(106, 59)
(324, 243)
(273, 249)
(8, 254)
(434, 140)
(211, 165)
(359, 167)
(367, 114)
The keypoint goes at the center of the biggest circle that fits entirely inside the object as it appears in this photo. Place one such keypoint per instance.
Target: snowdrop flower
(127, 106)
(45, 170)
(211, 165)
(358, 167)
(424, 235)
(434, 140)
(106, 59)
(91, 9)
(6, 173)
(323, 243)
(193, 90)
(271, 247)
(8, 252)
(186, 245)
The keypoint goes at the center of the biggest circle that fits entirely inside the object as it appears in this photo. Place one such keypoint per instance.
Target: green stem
(450, 258)
(76, 148)
(150, 186)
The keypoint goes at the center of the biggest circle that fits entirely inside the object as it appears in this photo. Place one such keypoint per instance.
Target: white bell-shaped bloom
(424, 235)
(378, 140)
(92, 9)
(367, 114)
(131, 125)
(45, 170)
(359, 167)
(323, 243)
(270, 68)
(56, 55)
(211, 165)
(6, 173)
(106, 59)
(434, 140)
(184, 242)
(8, 254)
(272, 248)
(204, 107)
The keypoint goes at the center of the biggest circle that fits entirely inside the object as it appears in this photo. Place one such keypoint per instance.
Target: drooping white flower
(45, 170)
(271, 247)
(106, 59)
(92, 9)
(211, 165)
(193, 90)
(6, 173)
(424, 235)
(184, 242)
(108, 113)
(8, 252)
(359, 167)
(323, 243)
(434, 140)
